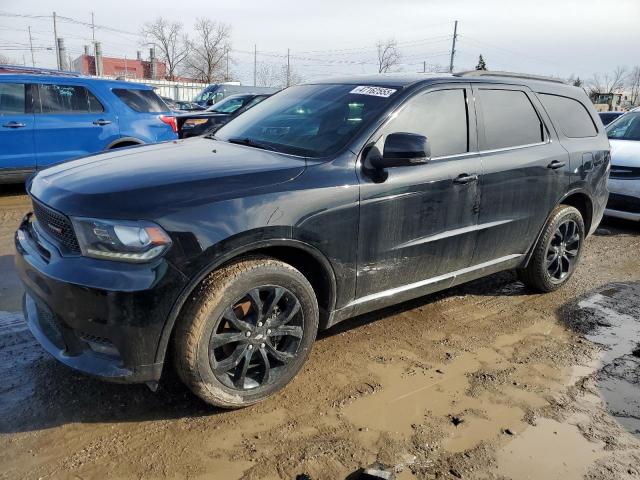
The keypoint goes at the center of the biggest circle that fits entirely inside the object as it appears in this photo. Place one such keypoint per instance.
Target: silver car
(624, 179)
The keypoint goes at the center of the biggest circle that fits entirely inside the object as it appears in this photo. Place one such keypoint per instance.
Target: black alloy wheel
(563, 250)
(256, 337)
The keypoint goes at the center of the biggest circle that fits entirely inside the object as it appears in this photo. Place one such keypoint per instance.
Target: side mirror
(403, 150)
(210, 102)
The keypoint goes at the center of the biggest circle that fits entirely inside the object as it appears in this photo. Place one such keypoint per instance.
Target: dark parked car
(214, 117)
(325, 201)
(212, 94)
(187, 106)
(608, 117)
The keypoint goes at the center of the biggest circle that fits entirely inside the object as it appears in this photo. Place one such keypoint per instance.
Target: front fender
(228, 250)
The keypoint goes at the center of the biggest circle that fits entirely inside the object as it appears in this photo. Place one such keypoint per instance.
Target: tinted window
(309, 120)
(627, 127)
(228, 105)
(569, 115)
(141, 100)
(12, 98)
(441, 116)
(509, 119)
(67, 99)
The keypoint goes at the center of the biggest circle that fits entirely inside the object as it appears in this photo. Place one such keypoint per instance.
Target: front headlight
(122, 240)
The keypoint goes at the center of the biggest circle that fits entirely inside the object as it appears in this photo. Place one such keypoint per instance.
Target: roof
(403, 80)
(26, 73)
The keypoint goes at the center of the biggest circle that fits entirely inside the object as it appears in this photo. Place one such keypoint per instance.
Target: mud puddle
(610, 318)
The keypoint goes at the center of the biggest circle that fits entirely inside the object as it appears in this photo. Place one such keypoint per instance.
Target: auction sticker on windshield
(375, 91)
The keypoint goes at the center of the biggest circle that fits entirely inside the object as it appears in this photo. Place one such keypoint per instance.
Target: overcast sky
(553, 37)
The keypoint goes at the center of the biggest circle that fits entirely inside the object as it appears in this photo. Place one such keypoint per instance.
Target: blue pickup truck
(49, 116)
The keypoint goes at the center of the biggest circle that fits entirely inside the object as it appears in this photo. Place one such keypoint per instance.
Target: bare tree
(388, 55)
(170, 40)
(607, 83)
(274, 75)
(208, 51)
(633, 82)
(4, 60)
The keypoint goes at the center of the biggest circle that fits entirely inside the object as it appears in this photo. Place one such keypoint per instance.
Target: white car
(624, 179)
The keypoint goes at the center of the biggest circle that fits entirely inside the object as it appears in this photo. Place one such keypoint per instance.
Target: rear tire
(246, 332)
(557, 252)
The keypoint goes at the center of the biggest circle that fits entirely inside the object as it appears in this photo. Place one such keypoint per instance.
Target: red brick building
(120, 67)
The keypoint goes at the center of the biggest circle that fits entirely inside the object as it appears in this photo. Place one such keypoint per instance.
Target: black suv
(323, 202)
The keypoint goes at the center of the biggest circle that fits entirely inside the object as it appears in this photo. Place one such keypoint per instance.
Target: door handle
(465, 178)
(101, 122)
(14, 125)
(556, 164)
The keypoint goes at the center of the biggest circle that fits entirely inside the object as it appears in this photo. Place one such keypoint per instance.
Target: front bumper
(100, 317)
(624, 199)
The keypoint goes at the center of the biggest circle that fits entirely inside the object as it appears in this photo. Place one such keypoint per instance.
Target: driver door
(418, 223)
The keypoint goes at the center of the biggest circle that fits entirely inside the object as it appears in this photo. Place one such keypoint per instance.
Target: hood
(131, 183)
(625, 153)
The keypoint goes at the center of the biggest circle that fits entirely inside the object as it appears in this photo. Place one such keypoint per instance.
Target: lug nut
(268, 331)
(259, 324)
(262, 345)
(250, 347)
(247, 334)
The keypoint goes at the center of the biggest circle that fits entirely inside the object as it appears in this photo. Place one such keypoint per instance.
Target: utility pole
(95, 48)
(55, 40)
(227, 74)
(453, 45)
(288, 68)
(424, 67)
(255, 64)
(33, 62)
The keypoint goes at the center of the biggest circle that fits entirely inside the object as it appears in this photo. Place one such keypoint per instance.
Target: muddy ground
(485, 381)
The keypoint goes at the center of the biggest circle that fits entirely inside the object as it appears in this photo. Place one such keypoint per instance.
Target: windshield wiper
(250, 142)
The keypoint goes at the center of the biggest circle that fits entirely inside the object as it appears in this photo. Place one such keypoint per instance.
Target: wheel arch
(312, 263)
(576, 198)
(124, 142)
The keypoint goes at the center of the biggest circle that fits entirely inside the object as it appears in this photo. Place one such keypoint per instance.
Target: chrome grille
(56, 225)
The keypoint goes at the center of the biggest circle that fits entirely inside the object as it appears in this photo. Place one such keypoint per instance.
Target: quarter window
(509, 119)
(570, 115)
(144, 101)
(67, 99)
(441, 116)
(12, 99)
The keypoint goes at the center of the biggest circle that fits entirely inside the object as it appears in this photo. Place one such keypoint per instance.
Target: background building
(152, 69)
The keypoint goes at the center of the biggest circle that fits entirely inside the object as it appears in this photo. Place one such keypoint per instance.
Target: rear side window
(441, 116)
(144, 101)
(12, 98)
(569, 115)
(509, 119)
(67, 99)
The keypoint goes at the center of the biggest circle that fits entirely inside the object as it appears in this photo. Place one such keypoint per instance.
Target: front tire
(246, 332)
(557, 252)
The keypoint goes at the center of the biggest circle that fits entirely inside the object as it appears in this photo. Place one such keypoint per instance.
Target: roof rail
(526, 76)
(19, 69)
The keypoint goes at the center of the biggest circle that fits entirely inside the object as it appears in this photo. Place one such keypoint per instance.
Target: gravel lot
(486, 380)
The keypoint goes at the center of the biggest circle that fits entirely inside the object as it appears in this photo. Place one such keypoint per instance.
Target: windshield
(205, 95)
(228, 105)
(309, 120)
(626, 127)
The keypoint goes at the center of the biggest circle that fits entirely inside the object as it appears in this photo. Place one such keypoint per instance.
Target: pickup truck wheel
(557, 252)
(246, 332)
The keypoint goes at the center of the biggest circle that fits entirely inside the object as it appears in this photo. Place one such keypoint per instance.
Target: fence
(174, 90)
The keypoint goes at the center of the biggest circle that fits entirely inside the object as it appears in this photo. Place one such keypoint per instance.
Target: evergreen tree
(481, 64)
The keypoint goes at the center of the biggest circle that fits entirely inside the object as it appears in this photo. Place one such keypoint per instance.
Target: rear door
(16, 128)
(71, 122)
(525, 171)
